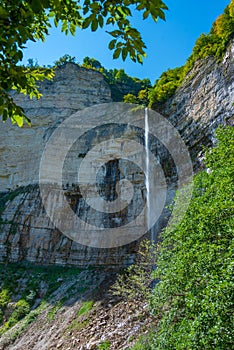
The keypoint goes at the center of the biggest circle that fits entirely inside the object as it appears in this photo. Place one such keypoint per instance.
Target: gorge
(204, 101)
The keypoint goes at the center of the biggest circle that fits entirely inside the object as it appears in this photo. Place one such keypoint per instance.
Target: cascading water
(147, 174)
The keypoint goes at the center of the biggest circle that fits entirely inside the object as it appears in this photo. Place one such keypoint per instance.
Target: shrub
(104, 345)
(195, 296)
(136, 282)
(166, 85)
(22, 308)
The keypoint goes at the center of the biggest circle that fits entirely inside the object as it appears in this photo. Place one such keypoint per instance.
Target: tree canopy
(30, 20)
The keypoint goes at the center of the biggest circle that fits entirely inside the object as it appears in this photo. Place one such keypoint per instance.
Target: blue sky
(168, 43)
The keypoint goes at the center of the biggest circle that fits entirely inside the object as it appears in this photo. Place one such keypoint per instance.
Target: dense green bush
(122, 84)
(22, 308)
(142, 98)
(5, 297)
(195, 297)
(166, 85)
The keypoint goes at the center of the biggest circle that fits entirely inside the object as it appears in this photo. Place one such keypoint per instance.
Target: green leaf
(19, 120)
(146, 14)
(56, 21)
(139, 59)
(116, 53)
(124, 53)
(110, 20)
(86, 22)
(100, 20)
(94, 25)
(73, 29)
(115, 33)
(64, 26)
(112, 44)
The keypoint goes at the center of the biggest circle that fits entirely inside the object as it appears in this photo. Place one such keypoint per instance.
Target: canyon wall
(202, 103)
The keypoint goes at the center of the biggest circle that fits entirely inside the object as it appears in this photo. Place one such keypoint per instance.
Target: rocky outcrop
(26, 232)
(72, 89)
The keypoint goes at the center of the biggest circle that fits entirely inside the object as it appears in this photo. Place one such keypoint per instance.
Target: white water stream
(147, 174)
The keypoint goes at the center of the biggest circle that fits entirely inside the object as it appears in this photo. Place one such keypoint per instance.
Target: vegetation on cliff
(195, 295)
(139, 91)
(119, 81)
(212, 44)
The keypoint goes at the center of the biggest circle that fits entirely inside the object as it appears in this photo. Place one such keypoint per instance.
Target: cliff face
(26, 232)
(203, 102)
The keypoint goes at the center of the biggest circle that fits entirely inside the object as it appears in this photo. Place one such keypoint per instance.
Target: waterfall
(147, 173)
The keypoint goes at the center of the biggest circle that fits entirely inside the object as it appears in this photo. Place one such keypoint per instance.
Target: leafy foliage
(142, 98)
(120, 82)
(91, 63)
(64, 59)
(166, 85)
(104, 345)
(32, 63)
(195, 296)
(25, 20)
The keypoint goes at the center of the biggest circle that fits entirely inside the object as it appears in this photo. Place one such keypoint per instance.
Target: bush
(195, 296)
(104, 345)
(22, 308)
(4, 298)
(166, 86)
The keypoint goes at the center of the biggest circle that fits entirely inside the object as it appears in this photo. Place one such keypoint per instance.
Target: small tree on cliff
(25, 20)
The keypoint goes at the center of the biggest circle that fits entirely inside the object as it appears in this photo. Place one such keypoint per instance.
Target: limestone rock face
(26, 233)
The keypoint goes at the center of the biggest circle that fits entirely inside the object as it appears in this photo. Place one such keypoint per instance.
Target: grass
(77, 325)
(53, 311)
(104, 345)
(85, 308)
